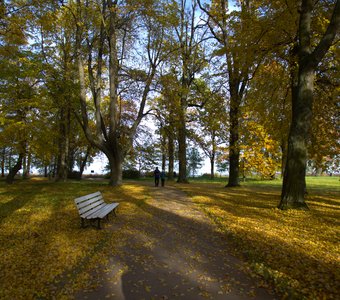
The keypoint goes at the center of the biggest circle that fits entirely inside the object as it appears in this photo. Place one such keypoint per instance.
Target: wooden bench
(92, 207)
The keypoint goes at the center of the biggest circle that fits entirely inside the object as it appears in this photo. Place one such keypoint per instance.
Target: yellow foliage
(44, 251)
(296, 251)
(46, 254)
(259, 153)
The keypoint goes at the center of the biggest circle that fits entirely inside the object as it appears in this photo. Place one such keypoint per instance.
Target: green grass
(45, 253)
(296, 251)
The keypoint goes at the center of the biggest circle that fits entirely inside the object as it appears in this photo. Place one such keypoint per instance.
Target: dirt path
(174, 252)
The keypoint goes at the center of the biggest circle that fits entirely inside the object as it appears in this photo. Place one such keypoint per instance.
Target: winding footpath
(174, 252)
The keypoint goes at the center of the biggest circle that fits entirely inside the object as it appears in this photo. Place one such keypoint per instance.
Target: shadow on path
(173, 251)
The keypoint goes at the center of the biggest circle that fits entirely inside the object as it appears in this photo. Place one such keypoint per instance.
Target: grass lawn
(297, 251)
(45, 253)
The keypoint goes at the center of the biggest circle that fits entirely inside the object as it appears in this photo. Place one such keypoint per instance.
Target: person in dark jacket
(157, 175)
(163, 177)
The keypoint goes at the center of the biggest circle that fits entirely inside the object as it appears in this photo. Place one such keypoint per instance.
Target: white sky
(101, 161)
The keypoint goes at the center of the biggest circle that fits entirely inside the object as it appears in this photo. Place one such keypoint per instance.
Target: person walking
(157, 174)
(163, 177)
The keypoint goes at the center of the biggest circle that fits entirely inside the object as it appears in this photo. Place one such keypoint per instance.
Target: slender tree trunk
(3, 157)
(83, 162)
(13, 171)
(234, 151)
(163, 147)
(26, 164)
(182, 149)
(212, 156)
(212, 166)
(171, 152)
(64, 137)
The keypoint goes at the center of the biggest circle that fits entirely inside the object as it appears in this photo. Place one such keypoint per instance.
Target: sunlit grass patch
(44, 251)
(297, 251)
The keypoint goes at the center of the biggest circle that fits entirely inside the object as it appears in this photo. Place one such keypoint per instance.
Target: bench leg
(82, 223)
(98, 223)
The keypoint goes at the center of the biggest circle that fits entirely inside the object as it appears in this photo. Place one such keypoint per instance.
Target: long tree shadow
(264, 247)
(19, 199)
(169, 255)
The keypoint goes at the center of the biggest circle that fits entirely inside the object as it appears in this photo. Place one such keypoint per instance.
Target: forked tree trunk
(13, 171)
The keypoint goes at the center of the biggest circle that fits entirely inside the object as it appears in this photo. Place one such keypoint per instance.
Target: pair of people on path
(159, 175)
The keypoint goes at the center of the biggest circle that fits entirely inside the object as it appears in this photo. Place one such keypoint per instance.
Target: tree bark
(13, 171)
(182, 146)
(212, 167)
(294, 186)
(3, 163)
(83, 162)
(116, 171)
(294, 182)
(171, 152)
(234, 150)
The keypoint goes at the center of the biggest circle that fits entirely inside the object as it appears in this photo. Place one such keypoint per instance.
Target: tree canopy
(254, 84)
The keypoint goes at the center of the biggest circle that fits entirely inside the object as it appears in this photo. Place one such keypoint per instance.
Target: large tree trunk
(294, 184)
(116, 172)
(234, 151)
(13, 171)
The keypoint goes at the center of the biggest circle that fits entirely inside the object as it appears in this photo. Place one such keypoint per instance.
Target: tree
(266, 110)
(293, 188)
(211, 125)
(112, 35)
(239, 35)
(190, 54)
(194, 161)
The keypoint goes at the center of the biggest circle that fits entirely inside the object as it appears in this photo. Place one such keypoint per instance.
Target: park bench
(92, 207)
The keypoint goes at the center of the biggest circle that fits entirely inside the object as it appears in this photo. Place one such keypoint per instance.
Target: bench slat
(107, 210)
(90, 214)
(93, 206)
(90, 201)
(80, 199)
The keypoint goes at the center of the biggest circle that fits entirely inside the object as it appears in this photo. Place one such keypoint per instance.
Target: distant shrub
(74, 175)
(131, 174)
(205, 176)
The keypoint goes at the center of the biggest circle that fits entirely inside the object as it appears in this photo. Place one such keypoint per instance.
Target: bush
(131, 174)
(74, 175)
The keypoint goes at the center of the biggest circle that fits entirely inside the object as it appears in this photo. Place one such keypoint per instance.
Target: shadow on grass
(168, 255)
(158, 249)
(279, 255)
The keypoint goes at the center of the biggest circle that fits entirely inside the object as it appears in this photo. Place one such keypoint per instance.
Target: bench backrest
(89, 203)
